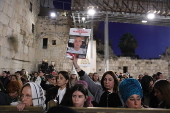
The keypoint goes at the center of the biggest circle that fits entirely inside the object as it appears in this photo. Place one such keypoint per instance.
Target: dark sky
(152, 40)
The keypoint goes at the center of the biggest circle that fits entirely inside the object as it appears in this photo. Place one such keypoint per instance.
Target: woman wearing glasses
(31, 94)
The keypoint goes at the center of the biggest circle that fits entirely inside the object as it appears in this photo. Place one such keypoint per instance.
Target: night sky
(152, 40)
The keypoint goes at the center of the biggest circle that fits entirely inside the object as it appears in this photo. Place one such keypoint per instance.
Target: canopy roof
(124, 11)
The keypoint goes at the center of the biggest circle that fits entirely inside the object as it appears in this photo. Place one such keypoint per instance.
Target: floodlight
(91, 12)
(151, 16)
(144, 21)
(53, 14)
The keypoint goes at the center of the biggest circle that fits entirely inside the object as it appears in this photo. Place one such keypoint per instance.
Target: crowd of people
(79, 89)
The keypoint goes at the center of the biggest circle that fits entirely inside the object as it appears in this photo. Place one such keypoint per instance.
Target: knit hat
(82, 82)
(38, 97)
(128, 87)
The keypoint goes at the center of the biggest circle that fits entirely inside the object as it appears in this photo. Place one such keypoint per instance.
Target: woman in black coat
(60, 93)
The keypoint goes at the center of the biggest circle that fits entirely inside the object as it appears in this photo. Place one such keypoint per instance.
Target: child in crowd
(79, 96)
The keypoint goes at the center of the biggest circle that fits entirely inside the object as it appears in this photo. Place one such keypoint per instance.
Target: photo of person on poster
(77, 43)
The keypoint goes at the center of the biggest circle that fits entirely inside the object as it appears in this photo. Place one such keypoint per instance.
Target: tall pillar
(106, 44)
(91, 56)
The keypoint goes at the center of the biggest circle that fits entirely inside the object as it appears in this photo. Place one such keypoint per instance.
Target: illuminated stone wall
(17, 41)
(135, 66)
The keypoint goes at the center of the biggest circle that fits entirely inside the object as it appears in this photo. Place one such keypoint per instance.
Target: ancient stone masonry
(16, 36)
(134, 66)
(58, 30)
(166, 56)
(23, 35)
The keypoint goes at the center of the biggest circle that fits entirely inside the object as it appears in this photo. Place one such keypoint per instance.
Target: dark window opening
(125, 69)
(30, 6)
(60, 4)
(45, 42)
(53, 42)
(33, 28)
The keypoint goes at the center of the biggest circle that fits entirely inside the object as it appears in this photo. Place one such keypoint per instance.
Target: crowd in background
(79, 89)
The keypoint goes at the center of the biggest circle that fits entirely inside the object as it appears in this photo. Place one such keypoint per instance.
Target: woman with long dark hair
(162, 89)
(147, 86)
(60, 93)
(106, 94)
(79, 96)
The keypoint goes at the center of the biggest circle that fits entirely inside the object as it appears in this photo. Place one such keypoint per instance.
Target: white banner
(80, 32)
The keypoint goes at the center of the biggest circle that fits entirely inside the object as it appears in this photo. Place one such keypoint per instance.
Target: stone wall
(53, 29)
(134, 66)
(16, 37)
(166, 56)
(22, 48)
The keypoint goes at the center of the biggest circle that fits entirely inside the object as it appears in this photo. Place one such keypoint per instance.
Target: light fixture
(52, 14)
(144, 21)
(91, 11)
(151, 16)
(83, 18)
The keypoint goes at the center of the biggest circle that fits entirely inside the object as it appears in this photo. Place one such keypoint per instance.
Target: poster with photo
(78, 43)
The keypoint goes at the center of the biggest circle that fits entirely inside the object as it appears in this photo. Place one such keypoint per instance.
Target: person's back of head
(159, 75)
(146, 82)
(60, 109)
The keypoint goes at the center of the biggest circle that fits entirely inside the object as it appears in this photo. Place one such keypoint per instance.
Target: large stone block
(12, 24)
(24, 13)
(25, 57)
(6, 8)
(18, 27)
(8, 1)
(10, 12)
(12, 3)
(25, 49)
(31, 54)
(5, 52)
(2, 4)
(4, 19)
(1, 29)
(0, 49)
(19, 19)
(4, 32)
(20, 9)
(9, 31)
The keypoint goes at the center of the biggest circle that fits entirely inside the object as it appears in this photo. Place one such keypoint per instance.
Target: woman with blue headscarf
(131, 92)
